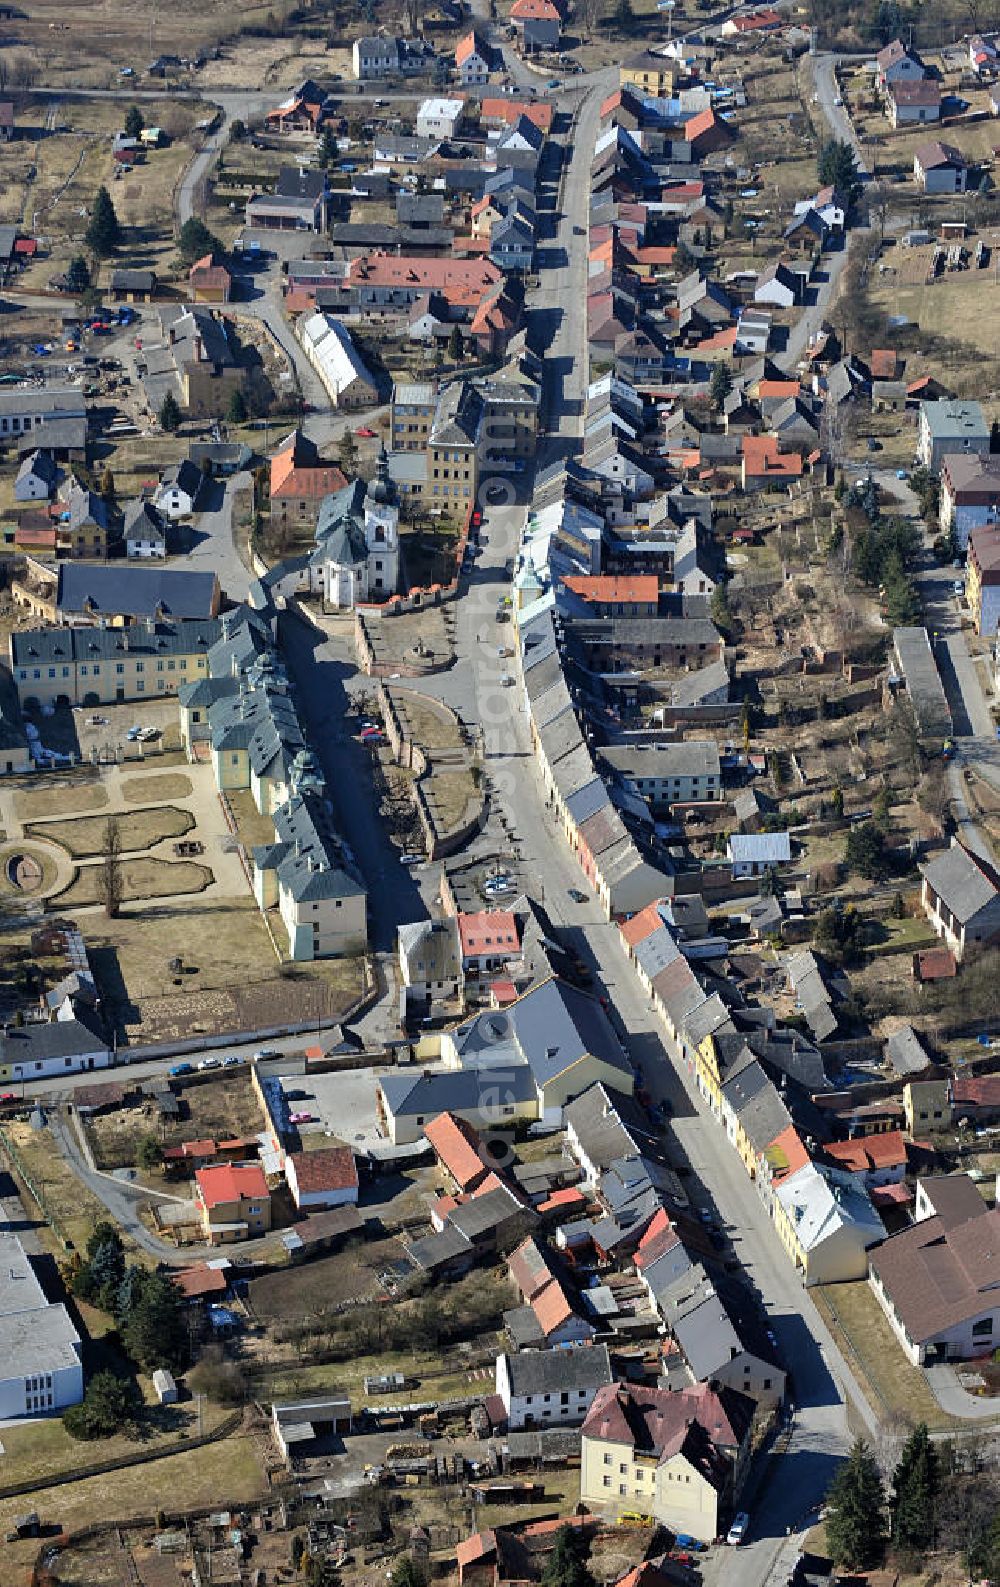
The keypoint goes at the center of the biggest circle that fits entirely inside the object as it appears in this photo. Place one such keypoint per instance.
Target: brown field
(57, 796)
(296, 1294)
(138, 829)
(166, 785)
(222, 1108)
(141, 878)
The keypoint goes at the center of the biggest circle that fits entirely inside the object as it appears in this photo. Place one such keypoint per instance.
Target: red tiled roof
(883, 363)
(866, 1153)
(490, 931)
(603, 587)
(762, 457)
(503, 991)
(455, 1145)
(978, 1091)
(478, 1546)
(329, 1168)
(225, 1182)
(890, 1195)
(461, 280)
(934, 964)
(786, 1154)
(534, 11)
(310, 481)
(551, 1307)
(641, 925)
(511, 110)
(568, 1199)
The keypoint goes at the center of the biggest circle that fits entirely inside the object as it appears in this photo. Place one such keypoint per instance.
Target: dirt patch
(140, 879)
(160, 785)
(311, 1290)
(277, 1001)
(57, 797)
(223, 1109)
(137, 829)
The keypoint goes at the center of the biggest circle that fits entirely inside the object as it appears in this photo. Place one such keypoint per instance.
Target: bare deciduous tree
(110, 879)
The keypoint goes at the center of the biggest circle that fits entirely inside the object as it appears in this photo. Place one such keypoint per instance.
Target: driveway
(212, 546)
(956, 1401)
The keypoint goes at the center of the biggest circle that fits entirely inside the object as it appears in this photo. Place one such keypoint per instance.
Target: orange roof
(488, 931)
(455, 1145)
(560, 1200)
(534, 11)
(465, 47)
(656, 255)
(511, 110)
(503, 992)
(786, 1154)
(493, 314)
(778, 388)
(307, 480)
(721, 339)
(604, 587)
(226, 1182)
(207, 272)
(703, 122)
(463, 281)
(642, 925)
(761, 456)
(475, 1547)
(869, 1152)
(551, 1306)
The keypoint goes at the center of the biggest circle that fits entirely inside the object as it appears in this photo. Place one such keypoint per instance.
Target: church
(356, 559)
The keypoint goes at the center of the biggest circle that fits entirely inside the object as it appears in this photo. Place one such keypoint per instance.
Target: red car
(365, 433)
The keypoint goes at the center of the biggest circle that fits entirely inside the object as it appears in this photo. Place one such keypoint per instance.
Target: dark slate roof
(134, 591)
(34, 647)
(553, 1371)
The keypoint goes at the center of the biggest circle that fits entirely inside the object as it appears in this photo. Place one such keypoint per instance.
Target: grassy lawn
(159, 785)
(36, 1450)
(902, 936)
(431, 729)
(140, 879)
(59, 796)
(289, 1383)
(893, 1387)
(137, 829)
(228, 1472)
(453, 798)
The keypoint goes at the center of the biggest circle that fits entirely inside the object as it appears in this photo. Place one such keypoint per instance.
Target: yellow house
(649, 75)
(826, 1223)
(678, 1457)
(926, 1105)
(753, 1113)
(92, 666)
(708, 1074)
(233, 1201)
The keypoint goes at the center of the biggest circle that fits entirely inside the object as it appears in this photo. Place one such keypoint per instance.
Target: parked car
(231, 1061)
(411, 859)
(210, 1063)
(577, 895)
(265, 1052)
(738, 1531)
(365, 433)
(181, 1069)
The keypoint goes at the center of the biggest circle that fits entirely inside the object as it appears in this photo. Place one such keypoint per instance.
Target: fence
(36, 1193)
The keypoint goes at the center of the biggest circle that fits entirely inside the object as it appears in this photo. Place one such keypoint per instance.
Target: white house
(753, 853)
(430, 958)
(59, 1047)
(472, 61)
(41, 1370)
(777, 284)
(145, 535)
(551, 1388)
(439, 118)
(934, 1320)
(327, 1177)
(178, 490)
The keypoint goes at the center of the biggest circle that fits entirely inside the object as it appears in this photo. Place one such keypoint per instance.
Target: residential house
(538, 22)
(982, 579)
(940, 168)
(144, 531)
(300, 202)
(876, 1160)
(763, 463)
(233, 1202)
(57, 1047)
(327, 1177)
(439, 118)
(753, 853)
(307, 872)
(84, 524)
(132, 286)
(926, 1106)
(935, 1283)
(605, 1126)
(960, 895)
(649, 75)
(457, 1148)
(678, 1458)
(488, 942)
(375, 57)
(209, 280)
(779, 285)
(430, 959)
(970, 493)
(37, 478)
(827, 1224)
(953, 1198)
(41, 1354)
(950, 427)
(975, 1099)
(913, 103)
(681, 773)
(894, 63)
(473, 61)
(551, 1388)
(177, 493)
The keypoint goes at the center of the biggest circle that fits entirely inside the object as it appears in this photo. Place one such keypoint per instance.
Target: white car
(738, 1531)
(210, 1063)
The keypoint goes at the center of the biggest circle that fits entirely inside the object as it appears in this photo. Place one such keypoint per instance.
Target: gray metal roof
(961, 882)
(135, 592)
(36, 647)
